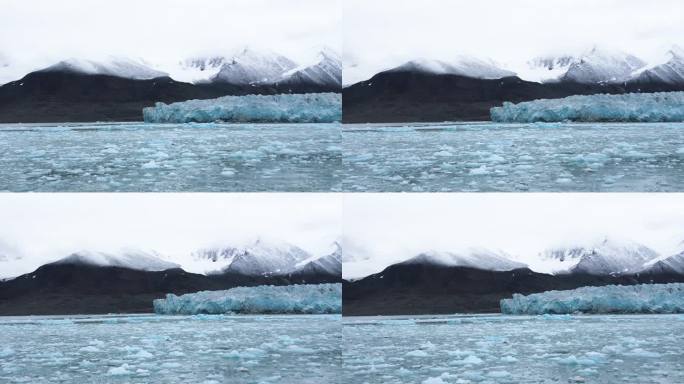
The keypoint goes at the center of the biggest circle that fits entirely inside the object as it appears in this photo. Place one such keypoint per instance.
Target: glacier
(299, 299)
(643, 298)
(281, 108)
(631, 107)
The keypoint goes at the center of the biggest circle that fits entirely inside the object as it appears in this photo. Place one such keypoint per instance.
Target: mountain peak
(112, 66)
(601, 65)
(131, 259)
(605, 257)
(462, 65)
(259, 257)
(249, 67)
(478, 258)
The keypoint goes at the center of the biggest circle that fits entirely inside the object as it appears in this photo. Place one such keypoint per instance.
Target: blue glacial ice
(282, 108)
(644, 298)
(306, 298)
(632, 107)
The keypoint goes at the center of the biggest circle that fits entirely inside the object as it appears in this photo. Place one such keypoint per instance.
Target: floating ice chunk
(90, 349)
(142, 354)
(470, 360)
(428, 346)
(119, 371)
(298, 349)
(282, 108)
(640, 352)
(631, 107)
(481, 170)
(248, 353)
(311, 298)
(6, 352)
(434, 380)
(150, 165)
(644, 298)
(498, 374)
(509, 359)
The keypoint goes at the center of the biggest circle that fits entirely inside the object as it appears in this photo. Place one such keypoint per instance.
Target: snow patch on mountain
(112, 66)
(249, 67)
(326, 69)
(479, 258)
(608, 257)
(198, 69)
(259, 258)
(603, 66)
(462, 66)
(133, 259)
(670, 71)
(546, 68)
(330, 264)
(669, 264)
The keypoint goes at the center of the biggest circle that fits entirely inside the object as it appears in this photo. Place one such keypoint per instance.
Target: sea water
(171, 349)
(634, 157)
(600, 349)
(142, 157)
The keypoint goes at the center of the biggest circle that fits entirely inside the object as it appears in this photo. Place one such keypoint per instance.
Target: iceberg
(631, 107)
(644, 298)
(299, 299)
(282, 108)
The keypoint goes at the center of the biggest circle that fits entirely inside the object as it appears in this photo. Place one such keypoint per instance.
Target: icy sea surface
(598, 349)
(170, 157)
(171, 349)
(514, 157)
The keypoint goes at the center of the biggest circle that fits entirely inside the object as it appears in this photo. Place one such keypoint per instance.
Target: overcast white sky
(381, 34)
(45, 227)
(38, 32)
(389, 228)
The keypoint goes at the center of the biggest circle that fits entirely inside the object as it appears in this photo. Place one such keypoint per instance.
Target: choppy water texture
(197, 349)
(508, 349)
(170, 157)
(514, 157)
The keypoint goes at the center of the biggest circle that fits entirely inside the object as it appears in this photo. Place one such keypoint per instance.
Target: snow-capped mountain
(260, 258)
(546, 68)
(670, 264)
(670, 72)
(608, 257)
(330, 264)
(114, 66)
(603, 66)
(197, 69)
(249, 67)
(326, 70)
(132, 259)
(463, 66)
(473, 258)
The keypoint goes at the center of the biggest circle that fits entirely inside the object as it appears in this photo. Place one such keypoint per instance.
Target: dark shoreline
(420, 289)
